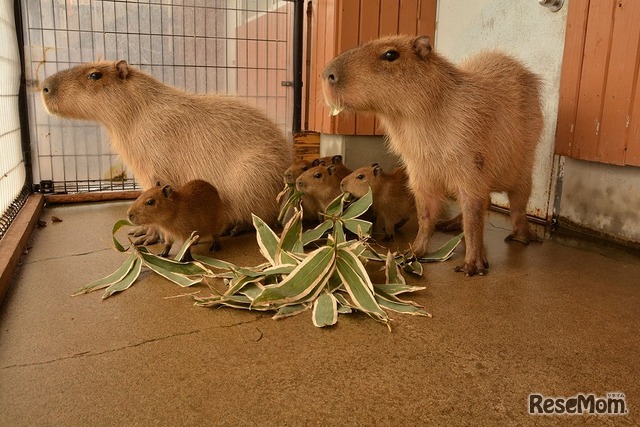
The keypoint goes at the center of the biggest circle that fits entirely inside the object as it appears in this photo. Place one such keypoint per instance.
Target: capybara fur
(320, 185)
(332, 160)
(166, 134)
(196, 206)
(467, 129)
(392, 204)
(295, 170)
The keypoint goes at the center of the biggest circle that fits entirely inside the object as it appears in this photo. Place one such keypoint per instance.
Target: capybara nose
(288, 176)
(132, 217)
(300, 184)
(330, 75)
(45, 89)
(342, 187)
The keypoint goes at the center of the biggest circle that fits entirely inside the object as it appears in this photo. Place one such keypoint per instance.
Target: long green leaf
(392, 270)
(359, 207)
(293, 200)
(335, 207)
(325, 310)
(267, 239)
(358, 226)
(359, 290)
(396, 288)
(252, 290)
(176, 278)
(239, 282)
(117, 226)
(290, 310)
(316, 233)
(222, 265)
(393, 303)
(290, 239)
(114, 277)
(126, 282)
(302, 280)
(186, 245)
(184, 268)
(444, 252)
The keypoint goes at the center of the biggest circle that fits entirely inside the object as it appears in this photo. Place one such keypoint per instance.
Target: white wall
(600, 197)
(528, 31)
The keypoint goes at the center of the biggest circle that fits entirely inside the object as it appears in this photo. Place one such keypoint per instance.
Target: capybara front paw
(473, 268)
(524, 237)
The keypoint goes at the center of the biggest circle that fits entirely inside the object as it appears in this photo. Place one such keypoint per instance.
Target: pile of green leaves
(329, 280)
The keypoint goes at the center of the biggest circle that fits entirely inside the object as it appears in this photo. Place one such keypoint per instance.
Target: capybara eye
(317, 175)
(390, 55)
(96, 75)
(151, 202)
(360, 176)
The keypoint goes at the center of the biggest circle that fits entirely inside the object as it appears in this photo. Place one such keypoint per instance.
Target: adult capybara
(466, 129)
(196, 206)
(166, 134)
(392, 204)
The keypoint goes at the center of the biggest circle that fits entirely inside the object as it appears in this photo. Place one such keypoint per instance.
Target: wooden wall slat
(620, 85)
(340, 25)
(369, 25)
(570, 76)
(407, 18)
(388, 10)
(632, 155)
(347, 37)
(427, 18)
(594, 72)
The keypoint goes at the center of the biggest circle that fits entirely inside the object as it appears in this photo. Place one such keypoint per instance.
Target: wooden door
(599, 110)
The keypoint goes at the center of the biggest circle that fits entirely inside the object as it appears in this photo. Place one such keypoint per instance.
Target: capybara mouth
(335, 106)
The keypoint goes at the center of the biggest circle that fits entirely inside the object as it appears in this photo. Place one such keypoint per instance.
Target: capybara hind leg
(427, 209)
(473, 212)
(518, 207)
(451, 224)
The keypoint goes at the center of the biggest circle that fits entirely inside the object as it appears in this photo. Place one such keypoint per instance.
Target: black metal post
(298, 22)
(22, 97)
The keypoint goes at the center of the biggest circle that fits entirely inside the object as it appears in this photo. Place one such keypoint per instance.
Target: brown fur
(320, 185)
(332, 160)
(467, 130)
(196, 206)
(295, 170)
(392, 202)
(165, 134)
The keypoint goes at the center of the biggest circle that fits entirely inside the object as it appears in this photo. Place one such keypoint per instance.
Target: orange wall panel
(339, 25)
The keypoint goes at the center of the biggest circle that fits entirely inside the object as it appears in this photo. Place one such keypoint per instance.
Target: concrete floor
(548, 318)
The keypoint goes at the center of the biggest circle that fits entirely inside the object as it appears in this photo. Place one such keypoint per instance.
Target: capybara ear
(337, 159)
(167, 190)
(122, 69)
(331, 169)
(315, 163)
(377, 170)
(422, 46)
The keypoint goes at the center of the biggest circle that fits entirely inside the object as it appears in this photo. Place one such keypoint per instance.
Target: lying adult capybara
(392, 204)
(166, 134)
(196, 206)
(466, 129)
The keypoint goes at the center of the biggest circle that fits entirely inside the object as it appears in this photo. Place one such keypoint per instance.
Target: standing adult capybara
(392, 204)
(168, 135)
(469, 129)
(196, 206)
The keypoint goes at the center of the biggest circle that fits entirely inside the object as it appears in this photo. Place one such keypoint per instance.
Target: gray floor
(548, 318)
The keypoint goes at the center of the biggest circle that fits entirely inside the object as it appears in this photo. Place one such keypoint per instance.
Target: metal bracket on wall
(552, 5)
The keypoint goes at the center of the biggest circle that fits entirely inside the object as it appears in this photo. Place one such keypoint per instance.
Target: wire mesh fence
(13, 179)
(237, 47)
